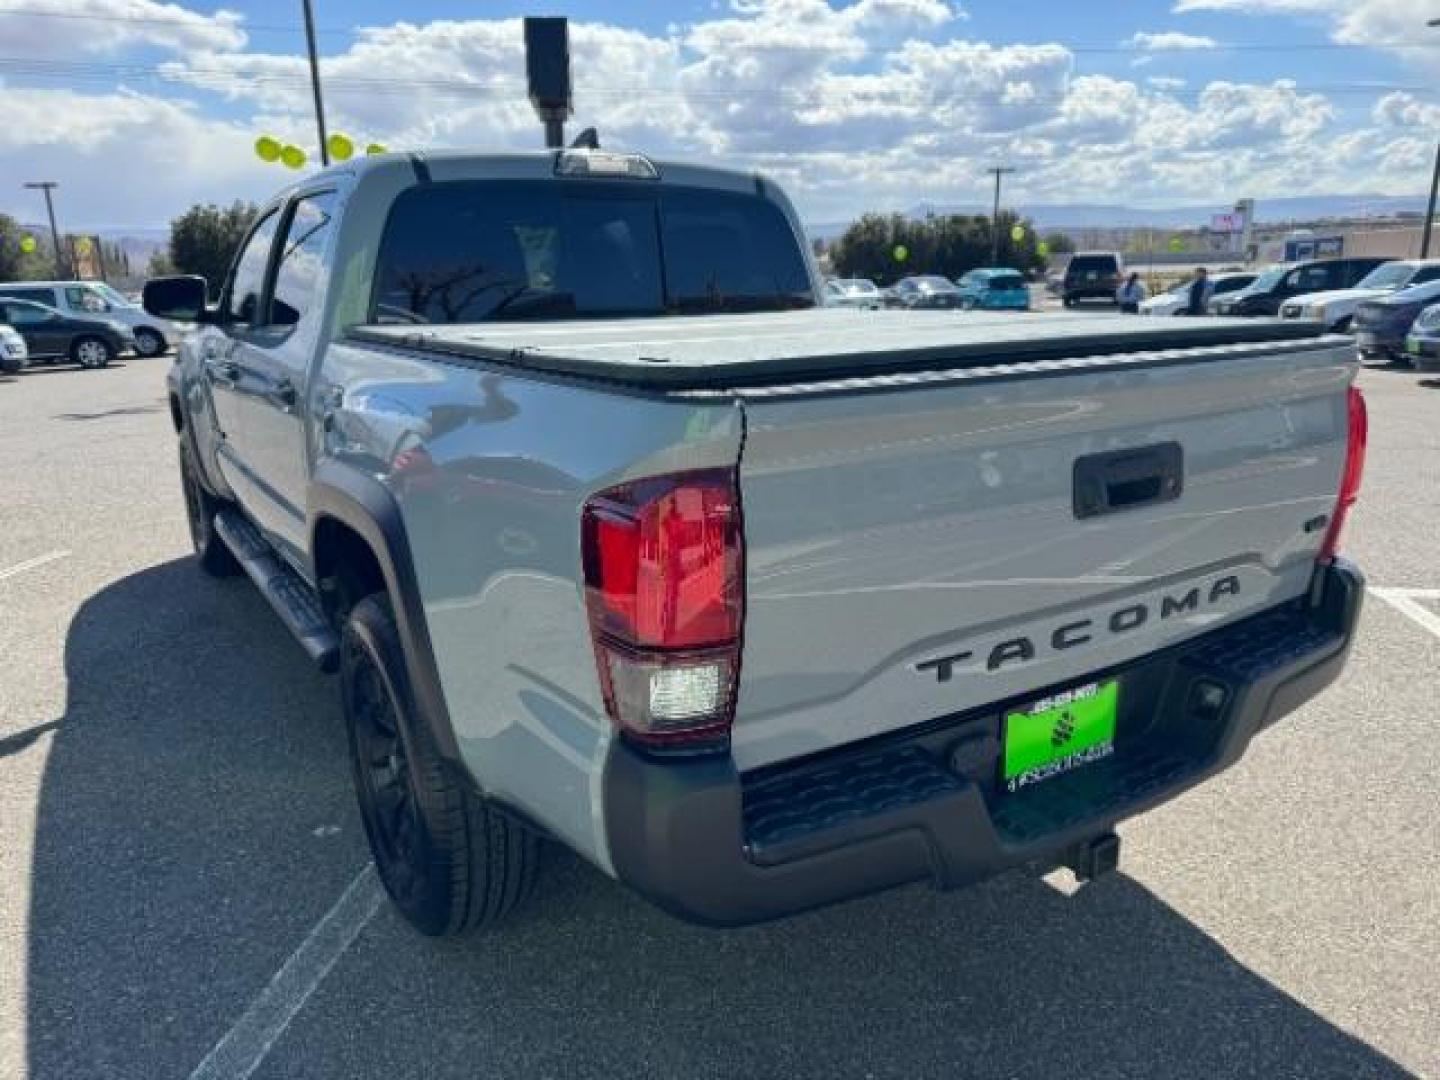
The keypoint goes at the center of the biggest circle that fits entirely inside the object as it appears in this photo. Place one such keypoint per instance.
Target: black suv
(1092, 275)
(1266, 293)
(51, 336)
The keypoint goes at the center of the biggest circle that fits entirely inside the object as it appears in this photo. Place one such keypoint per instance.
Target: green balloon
(1042, 249)
(901, 253)
(374, 148)
(267, 149)
(341, 148)
(1017, 233)
(293, 157)
(28, 245)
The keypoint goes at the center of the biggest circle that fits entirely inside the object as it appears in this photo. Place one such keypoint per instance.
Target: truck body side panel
(491, 472)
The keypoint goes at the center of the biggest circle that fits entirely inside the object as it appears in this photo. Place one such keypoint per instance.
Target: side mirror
(181, 299)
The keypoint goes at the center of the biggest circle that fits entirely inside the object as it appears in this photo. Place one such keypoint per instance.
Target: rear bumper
(711, 846)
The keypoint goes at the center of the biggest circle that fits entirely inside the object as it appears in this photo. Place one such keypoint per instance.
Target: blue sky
(141, 107)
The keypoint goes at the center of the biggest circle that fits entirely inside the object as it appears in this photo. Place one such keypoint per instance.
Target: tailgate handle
(1128, 479)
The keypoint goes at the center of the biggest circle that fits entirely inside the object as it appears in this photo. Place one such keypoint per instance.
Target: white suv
(87, 299)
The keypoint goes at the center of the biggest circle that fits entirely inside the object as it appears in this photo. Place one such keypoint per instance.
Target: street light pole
(1434, 184)
(999, 171)
(47, 186)
(315, 82)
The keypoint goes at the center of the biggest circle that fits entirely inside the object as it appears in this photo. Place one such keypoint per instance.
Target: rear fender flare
(363, 504)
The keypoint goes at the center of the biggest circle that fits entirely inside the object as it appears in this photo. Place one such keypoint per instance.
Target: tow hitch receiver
(1091, 859)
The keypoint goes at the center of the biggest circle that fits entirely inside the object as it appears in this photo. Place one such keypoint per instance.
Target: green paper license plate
(1412, 345)
(1056, 734)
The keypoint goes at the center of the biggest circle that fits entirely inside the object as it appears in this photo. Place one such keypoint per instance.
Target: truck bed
(724, 352)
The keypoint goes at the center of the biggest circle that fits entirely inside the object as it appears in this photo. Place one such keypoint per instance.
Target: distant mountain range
(1067, 216)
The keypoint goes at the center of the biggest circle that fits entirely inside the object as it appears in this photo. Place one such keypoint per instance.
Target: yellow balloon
(28, 245)
(340, 147)
(1017, 233)
(1042, 249)
(267, 149)
(901, 253)
(83, 245)
(374, 148)
(293, 157)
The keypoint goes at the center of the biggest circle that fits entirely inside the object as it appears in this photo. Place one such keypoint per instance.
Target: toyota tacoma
(618, 539)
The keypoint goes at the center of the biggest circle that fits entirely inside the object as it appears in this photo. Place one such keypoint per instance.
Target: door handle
(223, 369)
(284, 393)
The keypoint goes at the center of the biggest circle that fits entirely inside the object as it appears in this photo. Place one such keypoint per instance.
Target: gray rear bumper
(715, 847)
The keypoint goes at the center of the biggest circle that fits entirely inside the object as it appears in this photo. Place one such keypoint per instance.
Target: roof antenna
(589, 139)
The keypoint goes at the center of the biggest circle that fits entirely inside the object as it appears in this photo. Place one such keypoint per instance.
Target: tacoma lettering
(1019, 650)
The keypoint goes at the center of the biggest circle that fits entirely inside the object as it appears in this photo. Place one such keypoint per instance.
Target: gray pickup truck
(618, 539)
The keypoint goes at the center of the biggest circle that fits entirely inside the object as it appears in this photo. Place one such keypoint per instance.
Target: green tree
(1059, 243)
(205, 238)
(160, 264)
(17, 265)
(950, 245)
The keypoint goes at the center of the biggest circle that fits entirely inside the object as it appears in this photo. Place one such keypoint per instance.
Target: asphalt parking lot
(183, 883)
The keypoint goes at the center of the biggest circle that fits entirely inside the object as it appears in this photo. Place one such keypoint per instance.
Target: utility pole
(47, 186)
(315, 83)
(999, 171)
(1434, 184)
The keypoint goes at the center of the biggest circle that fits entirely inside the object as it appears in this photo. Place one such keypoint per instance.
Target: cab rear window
(482, 251)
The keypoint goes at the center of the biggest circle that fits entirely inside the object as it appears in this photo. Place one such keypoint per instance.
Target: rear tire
(450, 862)
(215, 558)
(148, 342)
(91, 352)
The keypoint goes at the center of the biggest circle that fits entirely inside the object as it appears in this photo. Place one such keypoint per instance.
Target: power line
(743, 47)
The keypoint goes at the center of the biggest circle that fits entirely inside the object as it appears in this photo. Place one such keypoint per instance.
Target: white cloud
(877, 103)
(59, 29)
(100, 146)
(1170, 41)
(1404, 110)
(1261, 7)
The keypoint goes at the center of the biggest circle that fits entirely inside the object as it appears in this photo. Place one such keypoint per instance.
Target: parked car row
(990, 288)
(82, 322)
(97, 300)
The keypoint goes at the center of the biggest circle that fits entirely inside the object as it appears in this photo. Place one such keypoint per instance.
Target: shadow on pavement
(183, 850)
(1011, 979)
(176, 858)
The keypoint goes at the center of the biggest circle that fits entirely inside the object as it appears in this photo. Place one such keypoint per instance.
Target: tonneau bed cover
(712, 352)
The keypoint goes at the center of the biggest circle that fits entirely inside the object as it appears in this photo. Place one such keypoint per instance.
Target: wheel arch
(357, 539)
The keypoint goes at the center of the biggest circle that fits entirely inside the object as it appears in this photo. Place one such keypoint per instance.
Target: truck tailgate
(920, 546)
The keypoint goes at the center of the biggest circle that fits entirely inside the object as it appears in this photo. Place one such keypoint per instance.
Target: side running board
(293, 600)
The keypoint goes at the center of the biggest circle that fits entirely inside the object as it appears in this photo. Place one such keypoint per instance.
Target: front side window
(496, 251)
(298, 272)
(85, 299)
(247, 282)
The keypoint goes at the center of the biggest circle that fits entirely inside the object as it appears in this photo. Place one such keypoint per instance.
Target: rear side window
(37, 296)
(489, 251)
(1006, 282)
(1424, 274)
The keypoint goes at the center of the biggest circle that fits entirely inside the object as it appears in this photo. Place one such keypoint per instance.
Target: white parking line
(32, 564)
(1406, 601)
(245, 1045)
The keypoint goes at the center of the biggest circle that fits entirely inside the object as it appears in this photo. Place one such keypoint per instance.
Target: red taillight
(1359, 433)
(664, 581)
